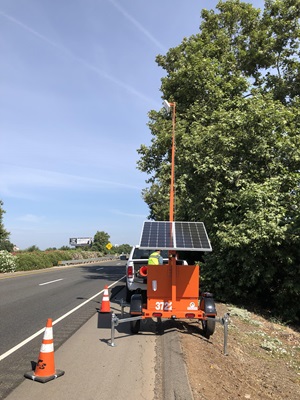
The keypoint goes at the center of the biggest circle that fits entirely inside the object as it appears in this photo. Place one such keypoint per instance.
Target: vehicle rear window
(143, 254)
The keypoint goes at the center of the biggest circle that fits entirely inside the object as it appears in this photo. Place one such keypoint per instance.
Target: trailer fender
(207, 304)
(136, 304)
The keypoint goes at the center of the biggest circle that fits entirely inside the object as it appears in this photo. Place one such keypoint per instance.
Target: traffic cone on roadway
(45, 368)
(105, 305)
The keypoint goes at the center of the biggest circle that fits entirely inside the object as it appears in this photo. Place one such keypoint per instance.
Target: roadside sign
(80, 241)
(109, 246)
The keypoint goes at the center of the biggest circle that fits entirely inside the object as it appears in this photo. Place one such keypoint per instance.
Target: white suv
(137, 258)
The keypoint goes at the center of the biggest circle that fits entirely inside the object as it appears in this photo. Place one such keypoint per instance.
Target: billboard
(81, 241)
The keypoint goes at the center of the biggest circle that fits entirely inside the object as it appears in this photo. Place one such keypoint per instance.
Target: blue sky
(77, 80)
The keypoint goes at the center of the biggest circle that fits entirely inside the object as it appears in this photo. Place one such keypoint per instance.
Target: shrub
(7, 261)
(32, 248)
(32, 260)
(26, 261)
(54, 257)
(91, 254)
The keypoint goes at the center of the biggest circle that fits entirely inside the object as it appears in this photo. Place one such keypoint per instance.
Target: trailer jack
(115, 321)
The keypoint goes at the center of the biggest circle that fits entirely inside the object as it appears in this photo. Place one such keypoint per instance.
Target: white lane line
(18, 346)
(98, 269)
(47, 283)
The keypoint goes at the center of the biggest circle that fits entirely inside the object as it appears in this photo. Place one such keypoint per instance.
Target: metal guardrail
(86, 260)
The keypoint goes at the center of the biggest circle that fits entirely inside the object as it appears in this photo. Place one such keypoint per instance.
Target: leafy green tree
(3, 233)
(5, 244)
(123, 248)
(63, 248)
(101, 239)
(236, 88)
(32, 248)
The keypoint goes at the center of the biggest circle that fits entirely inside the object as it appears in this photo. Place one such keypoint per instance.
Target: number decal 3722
(163, 305)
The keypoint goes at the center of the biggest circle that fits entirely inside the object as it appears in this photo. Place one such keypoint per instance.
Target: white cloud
(118, 212)
(31, 218)
(80, 60)
(15, 180)
(138, 25)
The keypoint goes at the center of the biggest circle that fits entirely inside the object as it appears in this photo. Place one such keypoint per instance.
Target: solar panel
(179, 235)
(157, 235)
(191, 235)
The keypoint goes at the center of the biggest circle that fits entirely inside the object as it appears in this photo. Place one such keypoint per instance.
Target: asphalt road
(96, 371)
(28, 300)
(146, 366)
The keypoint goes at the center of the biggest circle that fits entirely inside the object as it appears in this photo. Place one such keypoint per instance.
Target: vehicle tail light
(189, 315)
(157, 314)
(130, 272)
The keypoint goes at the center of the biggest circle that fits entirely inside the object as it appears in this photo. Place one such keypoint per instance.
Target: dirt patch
(263, 359)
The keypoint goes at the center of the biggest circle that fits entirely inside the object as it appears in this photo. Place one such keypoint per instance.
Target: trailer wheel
(208, 327)
(135, 326)
(128, 295)
(136, 305)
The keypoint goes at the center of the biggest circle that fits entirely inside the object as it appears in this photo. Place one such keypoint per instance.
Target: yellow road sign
(109, 246)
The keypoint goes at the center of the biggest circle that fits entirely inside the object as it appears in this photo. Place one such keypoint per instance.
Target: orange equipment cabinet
(173, 291)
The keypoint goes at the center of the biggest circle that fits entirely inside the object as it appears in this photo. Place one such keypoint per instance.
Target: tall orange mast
(168, 107)
(172, 188)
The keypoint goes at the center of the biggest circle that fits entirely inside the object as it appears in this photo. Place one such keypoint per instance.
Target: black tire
(135, 326)
(208, 327)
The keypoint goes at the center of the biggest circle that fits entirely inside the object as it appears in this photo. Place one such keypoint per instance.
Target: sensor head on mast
(167, 106)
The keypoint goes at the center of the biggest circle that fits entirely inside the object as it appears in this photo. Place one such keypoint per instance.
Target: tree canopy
(101, 239)
(236, 85)
(5, 244)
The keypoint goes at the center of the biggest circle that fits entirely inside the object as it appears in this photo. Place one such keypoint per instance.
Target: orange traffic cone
(45, 367)
(105, 305)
